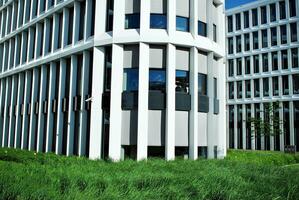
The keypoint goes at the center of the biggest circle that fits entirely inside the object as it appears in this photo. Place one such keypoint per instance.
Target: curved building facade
(262, 68)
(122, 78)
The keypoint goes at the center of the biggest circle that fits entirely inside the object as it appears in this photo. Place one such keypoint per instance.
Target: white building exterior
(87, 78)
(262, 68)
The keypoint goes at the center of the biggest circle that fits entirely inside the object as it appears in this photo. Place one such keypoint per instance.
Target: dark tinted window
(294, 53)
(132, 21)
(273, 36)
(131, 77)
(282, 9)
(109, 22)
(283, 34)
(182, 24)
(273, 12)
(292, 4)
(263, 15)
(293, 32)
(230, 45)
(239, 66)
(231, 68)
(157, 80)
(274, 61)
(265, 62)
(182, 81)
(265, 38)
(285, 85)
(247, 41)
(202, 28)
(255, 40)
(246, 19)
(158, 21)
(239, 43)
(254, 17)
(238, 21)
(247, 65)
(275, 86)
(230, 23)
(284, 59)
(266, 87)
(296, 83)
(256, 64)
(202, 84)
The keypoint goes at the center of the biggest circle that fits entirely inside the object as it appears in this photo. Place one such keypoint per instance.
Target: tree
(270, 125)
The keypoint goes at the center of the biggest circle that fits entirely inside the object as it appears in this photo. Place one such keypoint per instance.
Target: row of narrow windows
(39, 96)
(269, 38)
(288, 60)
(276, 11)
(158, 16)
(236, 138)
(255, 92)
(46, 37)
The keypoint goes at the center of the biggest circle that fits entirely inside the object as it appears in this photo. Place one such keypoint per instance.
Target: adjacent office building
(113, 78)
(262, 68)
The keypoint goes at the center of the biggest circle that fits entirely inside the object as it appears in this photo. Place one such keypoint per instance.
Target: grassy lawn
(242, 175)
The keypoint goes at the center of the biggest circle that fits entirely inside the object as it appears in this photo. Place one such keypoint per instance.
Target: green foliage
(242, 175)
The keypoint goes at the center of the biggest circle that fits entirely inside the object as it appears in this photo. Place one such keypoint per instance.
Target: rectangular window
(296, 83)
(265, 62)
(202, 28)
(230, 45)
(247, 65)
(292, 5)
(131, 79)
(202, 84)
(265, 87)
(284, 59)
(283, 34)
(282, 9)
(255, 36)
(157, 80)
(256, 87)
(182, 81)
(231, 90)
(265, 38)
(50, 3)
(275, 86)
(294, 53)
(230, 24)
(246, 19)
(231, 127)
(273, 12)
(70, 26)
(109, 15)
(263, 15)
(231, 68)
(108, 65)
(132, 21)
(239, 66)
(274, 61)
(256, 64)
(158, 21)
(239, 89)
(254, 17)
(214, 33)
(239, 43)
(247, 42)
(273, 36)
(215, 89)
(248, 89)
(293, 27)
(285, 85)
(60, 17)
(182, 24)
(82, 20)
(238, 21)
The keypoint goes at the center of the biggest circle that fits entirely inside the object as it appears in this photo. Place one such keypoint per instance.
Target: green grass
(242, 175)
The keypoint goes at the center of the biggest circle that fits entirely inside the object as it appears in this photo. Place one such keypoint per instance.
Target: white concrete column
(143, 85)
(76, 22)
(145, 7)
(281, 136)
(96, 108)
(170, 102)
(115, 105)
(194, 17)
(53, 80)
(118, 16)
(41, 115)
(25, 122)
(100, 17)
(244, 118)
(171, 17)
(193, 114)
(292, 131)
(33, 115)
(253, 137)
(262, 118)
(60, 115)
(6, 110)
(211, 118)
(71, 113)
(2, 95)
(13, 93)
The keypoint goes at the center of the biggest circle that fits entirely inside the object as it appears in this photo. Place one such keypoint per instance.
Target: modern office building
(104, 78)
(262, 68)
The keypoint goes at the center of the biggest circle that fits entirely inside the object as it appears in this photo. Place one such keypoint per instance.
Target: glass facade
(275, 86)
(284, 59)
(239, 89)
(273, 36)
(292, 6)
(264, 38)
(157, 80)
(230, 45)
(246, 19)
(231, 68)
(282, 9)
(265, 62)
(182, 24)
(230, 24)
(296, 84)
(247, 65)
(274, 61)
(273, 12)
(256, 87)
(285, 85)
(293, 27)
(182, 81)
(158, 21)
(131, 80)
(247, 41)
(255, 36)
(256, 64)
(132, 21)
(239, 43)
(202, 28)
(238, 21)
(263, 15)
(294, 57)
(239, 66)
(265, 87)
(283, 34)
(247, 89)
(202, 84)
(254, 17)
